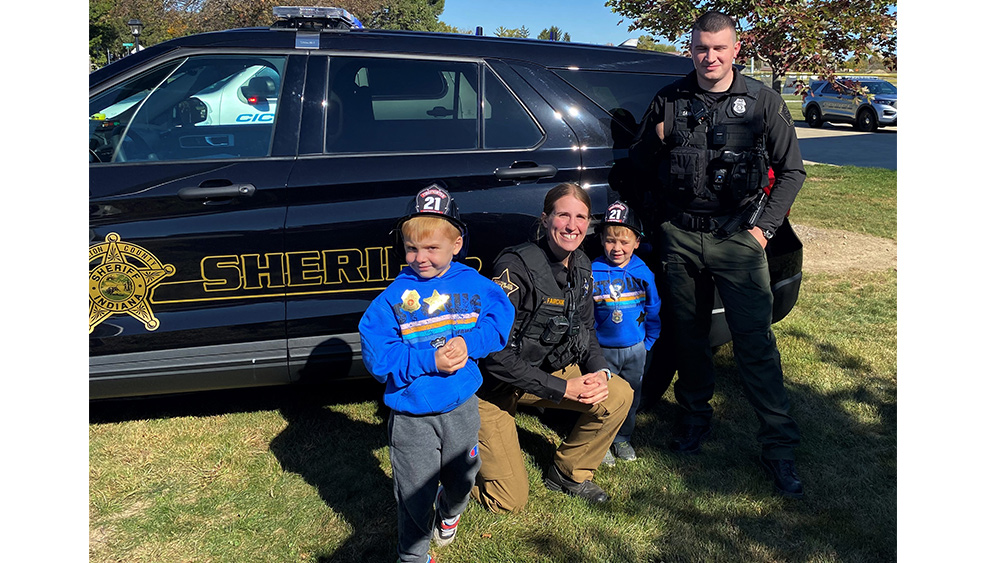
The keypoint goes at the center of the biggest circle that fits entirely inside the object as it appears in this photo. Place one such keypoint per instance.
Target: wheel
(813, 117)
(867, 121)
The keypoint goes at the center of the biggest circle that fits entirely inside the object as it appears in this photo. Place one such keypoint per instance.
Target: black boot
(782, 472)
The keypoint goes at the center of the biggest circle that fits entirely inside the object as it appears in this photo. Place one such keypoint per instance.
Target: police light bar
(303, 16)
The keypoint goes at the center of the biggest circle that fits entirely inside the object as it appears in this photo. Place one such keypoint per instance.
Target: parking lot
(841, 145)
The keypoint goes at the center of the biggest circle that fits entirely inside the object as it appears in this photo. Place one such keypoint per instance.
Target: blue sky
(586, 21)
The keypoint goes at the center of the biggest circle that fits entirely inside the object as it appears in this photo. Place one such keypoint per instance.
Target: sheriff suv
(243, 183)
(866, 103)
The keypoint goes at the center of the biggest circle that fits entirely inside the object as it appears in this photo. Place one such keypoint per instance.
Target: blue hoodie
(632, 290)
(401, 327)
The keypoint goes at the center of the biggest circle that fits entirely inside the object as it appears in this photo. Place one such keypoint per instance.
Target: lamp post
(136, 27)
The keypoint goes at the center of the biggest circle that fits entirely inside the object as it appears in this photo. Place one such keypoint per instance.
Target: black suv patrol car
(243, 184)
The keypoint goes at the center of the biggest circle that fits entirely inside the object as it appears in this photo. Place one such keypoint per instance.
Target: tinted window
(195, 108)
(507, 124)
(622, 94)
(397, 105)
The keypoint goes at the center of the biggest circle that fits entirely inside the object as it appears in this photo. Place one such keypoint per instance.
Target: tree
(520, 33)
(554, 32)
(167, 19)
(814, 36)
(648, 43)
(413, 15)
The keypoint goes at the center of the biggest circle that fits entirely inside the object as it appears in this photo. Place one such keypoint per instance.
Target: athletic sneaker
(444, 528)
(609, 459)
(429, 560)
(623, 451)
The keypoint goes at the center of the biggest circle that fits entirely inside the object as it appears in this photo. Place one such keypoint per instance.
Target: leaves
(814, 36)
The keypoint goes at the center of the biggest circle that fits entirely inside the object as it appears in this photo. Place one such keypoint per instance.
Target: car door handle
(207, 193)
(521, 173)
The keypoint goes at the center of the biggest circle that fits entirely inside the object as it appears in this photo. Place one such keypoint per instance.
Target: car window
(194, 108)
(829, 89)
(623, 94)
(880, 87)
(380, 104)
(506, 124)
(402, 105)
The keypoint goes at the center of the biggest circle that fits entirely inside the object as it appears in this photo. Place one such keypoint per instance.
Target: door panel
(347, 200)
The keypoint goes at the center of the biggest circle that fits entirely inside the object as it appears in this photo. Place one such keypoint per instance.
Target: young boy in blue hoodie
(421, 337)
(626, 312)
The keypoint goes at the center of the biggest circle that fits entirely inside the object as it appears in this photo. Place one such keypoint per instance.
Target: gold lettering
(343, 263)
(304, 268)
(255, 271)
(221, 273)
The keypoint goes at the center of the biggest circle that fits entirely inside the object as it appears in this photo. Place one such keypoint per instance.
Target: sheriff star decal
(503, 280)
(436, 302)
(122, 281)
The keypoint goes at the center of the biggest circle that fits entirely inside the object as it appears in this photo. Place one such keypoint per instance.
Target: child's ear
(458, 246)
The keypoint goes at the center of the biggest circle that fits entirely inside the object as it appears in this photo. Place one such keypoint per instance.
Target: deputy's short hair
(714, 21)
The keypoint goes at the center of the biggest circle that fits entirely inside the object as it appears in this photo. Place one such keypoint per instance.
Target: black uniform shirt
(780, 141)
(505, 369)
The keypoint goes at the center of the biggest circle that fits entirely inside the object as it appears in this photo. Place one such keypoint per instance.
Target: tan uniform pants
(502, 483)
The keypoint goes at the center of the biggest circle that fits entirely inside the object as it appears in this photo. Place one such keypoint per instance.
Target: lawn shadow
(846, 462)
(336, 455)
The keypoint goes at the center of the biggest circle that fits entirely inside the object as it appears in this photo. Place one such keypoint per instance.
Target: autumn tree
(814, 36)
(554, 32)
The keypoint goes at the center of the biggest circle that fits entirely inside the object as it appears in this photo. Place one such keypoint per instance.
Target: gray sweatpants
(425, 450)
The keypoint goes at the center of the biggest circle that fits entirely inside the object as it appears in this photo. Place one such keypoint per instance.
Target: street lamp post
(136, 27)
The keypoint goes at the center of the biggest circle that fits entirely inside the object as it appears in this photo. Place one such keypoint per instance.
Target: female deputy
(552, 360)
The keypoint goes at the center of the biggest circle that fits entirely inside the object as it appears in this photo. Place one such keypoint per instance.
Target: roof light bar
(312, 17)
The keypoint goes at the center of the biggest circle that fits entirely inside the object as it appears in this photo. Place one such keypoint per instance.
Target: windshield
(880, 87)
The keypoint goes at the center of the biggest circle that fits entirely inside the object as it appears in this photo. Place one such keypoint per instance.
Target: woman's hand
(589, 389)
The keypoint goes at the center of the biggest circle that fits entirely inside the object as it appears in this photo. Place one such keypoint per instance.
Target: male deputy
(709, 138)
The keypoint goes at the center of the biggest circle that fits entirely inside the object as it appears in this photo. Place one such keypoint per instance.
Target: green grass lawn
(302, 475)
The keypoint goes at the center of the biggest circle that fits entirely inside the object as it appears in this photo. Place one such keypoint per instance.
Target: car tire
(867, 121)
(813, 117)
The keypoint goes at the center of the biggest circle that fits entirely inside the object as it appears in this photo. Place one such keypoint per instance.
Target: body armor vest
(551, 336)
(717, 152)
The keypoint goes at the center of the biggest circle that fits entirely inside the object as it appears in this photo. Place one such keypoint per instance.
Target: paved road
(842, 145)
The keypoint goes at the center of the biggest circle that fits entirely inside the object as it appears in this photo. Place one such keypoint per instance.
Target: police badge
(411, 300)
(739, 106)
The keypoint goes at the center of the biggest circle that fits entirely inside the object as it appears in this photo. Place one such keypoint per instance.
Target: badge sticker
(503, 280)
(739, 106)
(411, 300)
(122, 282)
(438, 342)
(437, 301)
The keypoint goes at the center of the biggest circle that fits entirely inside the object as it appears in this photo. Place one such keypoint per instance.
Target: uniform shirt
(504, 371)
(631, 290)
(402, 326)
(779, 139)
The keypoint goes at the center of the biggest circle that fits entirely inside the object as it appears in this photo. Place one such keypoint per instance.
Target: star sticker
(436, 301)
(503, 280)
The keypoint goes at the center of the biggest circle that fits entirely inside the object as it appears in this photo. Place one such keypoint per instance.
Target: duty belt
(700, 223)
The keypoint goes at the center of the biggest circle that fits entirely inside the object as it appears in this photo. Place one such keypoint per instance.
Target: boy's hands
(452, 356)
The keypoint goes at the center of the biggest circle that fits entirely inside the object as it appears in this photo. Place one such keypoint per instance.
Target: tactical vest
(717, 153)
(551, 336)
